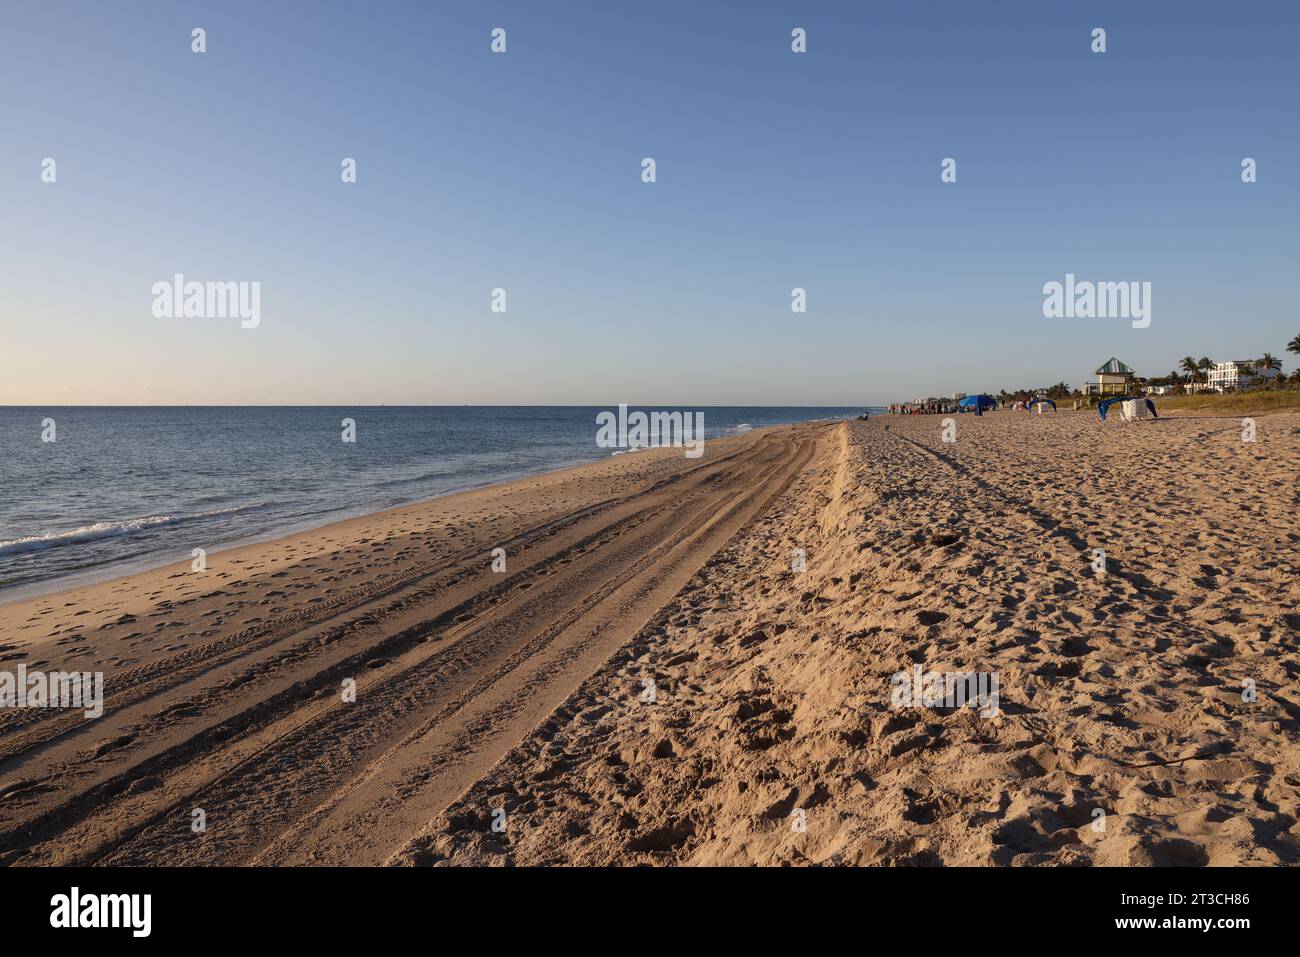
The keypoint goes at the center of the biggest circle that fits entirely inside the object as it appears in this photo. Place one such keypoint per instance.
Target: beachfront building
(1113, 378)
(1237, 374)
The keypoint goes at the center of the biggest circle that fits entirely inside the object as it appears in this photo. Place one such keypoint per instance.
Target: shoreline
(87, 548)
(129, 567)
(452, 658)
(342, 525)
(126, 568)
(651, 677)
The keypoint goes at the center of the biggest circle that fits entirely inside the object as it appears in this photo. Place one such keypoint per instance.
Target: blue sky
(522, 171)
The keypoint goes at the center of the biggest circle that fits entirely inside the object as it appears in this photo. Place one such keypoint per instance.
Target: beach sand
(652, 681)
(224, 689)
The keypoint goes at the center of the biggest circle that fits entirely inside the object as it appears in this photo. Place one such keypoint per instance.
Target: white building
(1237, 374)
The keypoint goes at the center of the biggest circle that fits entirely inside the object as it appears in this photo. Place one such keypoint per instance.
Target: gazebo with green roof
(1113, 378)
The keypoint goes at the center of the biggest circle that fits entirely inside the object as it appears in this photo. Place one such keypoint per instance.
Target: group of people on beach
(923, 408)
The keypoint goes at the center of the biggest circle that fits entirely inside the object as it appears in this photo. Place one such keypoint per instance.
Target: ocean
(120, 489)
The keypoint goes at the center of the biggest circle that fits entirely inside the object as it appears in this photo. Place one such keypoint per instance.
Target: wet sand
(225, 689)
(654, 679)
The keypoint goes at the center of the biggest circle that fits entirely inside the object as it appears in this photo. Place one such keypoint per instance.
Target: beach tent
(977, 403)
(1134, 409)
(1043, 399)
(1104, 405)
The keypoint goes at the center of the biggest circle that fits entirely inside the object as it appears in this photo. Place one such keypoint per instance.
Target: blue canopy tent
(1042, 398)
(977, 403)
(1104, 405)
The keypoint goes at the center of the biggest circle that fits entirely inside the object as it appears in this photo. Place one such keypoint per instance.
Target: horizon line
(457, 405)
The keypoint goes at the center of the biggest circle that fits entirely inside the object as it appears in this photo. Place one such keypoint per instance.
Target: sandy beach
(656, 679)
(224, 688)
(1121, 693)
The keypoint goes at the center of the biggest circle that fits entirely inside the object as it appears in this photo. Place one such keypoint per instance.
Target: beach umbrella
(978, 402)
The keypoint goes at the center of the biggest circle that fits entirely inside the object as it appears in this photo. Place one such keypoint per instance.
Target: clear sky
(522, 170)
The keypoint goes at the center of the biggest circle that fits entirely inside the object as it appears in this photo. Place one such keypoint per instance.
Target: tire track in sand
(289, 758)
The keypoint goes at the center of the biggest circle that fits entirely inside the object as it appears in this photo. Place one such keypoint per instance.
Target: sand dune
(655, 680)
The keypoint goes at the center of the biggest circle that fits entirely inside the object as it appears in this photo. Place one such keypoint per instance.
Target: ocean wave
(99, 530)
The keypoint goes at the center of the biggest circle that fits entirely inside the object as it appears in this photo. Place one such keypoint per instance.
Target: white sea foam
(90, 533)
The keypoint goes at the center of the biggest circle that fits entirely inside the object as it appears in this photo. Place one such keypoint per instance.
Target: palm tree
(1294, 346)
(1266, 363)
(1203, 366)
(1188, 365)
